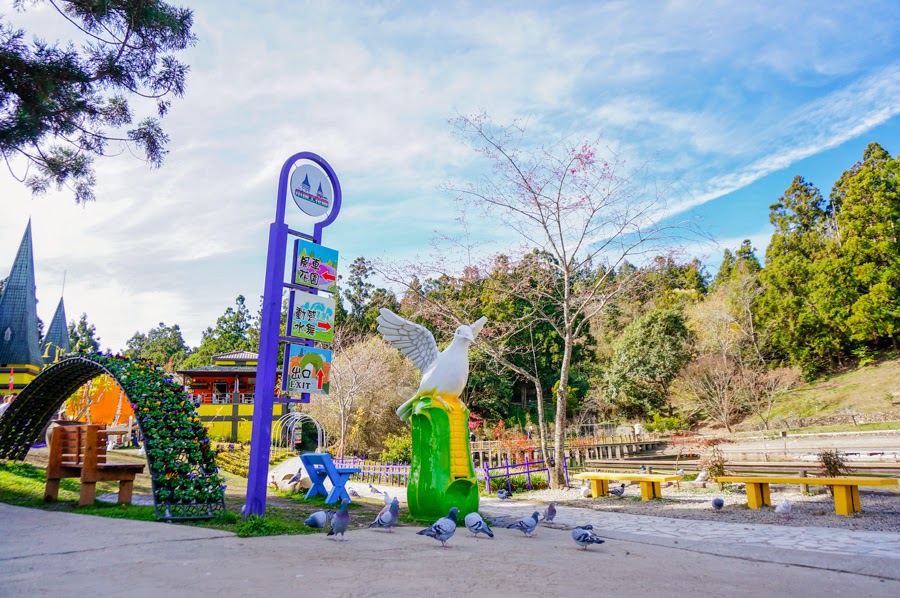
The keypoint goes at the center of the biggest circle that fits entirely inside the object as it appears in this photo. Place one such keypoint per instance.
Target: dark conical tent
(56, 341)
(19, 340)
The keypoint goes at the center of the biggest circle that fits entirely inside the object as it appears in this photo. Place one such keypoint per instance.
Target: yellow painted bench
(846, 489)
(651, 483)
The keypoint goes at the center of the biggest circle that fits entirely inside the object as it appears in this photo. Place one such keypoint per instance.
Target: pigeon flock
(338, 522)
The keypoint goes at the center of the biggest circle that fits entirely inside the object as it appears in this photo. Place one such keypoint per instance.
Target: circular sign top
(311, 189)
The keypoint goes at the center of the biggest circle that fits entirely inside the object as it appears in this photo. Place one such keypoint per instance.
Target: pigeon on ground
(352, 492)
(618, 492)
(387, 498)
(784, 508)
(476, 525)
(319, 519)
(584, 537)
(586, 489)
(341, 521)
(680, 472)
(374, 490)
(297, 476)
(702, 477)
(388, 516)
(526, 525)
(718, 503)
(550, 512)
(503, 494)
(643, 469)
(442, 529)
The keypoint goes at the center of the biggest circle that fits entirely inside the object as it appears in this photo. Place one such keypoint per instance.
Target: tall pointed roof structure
(56, 341)
(19, 340)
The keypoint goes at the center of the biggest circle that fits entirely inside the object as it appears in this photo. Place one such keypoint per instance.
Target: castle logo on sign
(311, 189)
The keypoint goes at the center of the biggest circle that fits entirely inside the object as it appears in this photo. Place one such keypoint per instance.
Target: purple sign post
(313, 201)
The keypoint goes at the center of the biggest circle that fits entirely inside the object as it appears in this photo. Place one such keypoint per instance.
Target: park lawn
(873, 388)
(22, 484)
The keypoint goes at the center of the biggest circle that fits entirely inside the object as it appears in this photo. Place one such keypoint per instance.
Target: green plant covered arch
(186, 483)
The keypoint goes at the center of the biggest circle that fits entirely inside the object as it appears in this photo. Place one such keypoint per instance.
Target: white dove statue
(441, 472)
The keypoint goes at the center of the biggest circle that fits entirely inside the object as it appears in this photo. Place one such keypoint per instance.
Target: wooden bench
(80, 452)
(319, 466)
(651, 483)
(845, 489)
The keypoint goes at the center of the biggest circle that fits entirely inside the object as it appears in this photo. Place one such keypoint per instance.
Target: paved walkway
(812, 539)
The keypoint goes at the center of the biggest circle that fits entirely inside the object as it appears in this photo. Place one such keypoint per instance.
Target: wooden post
(804, 488)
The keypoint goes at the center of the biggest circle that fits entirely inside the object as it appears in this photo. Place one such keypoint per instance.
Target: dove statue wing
(414, 341)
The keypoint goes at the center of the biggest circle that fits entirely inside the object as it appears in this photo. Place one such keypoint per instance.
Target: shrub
(667, 424)
(397, 448)
(833, 463)
(519, 483)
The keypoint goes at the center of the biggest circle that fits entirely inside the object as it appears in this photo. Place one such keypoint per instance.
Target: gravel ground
(881, 510)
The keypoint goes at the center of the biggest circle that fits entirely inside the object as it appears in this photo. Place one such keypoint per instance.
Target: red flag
(11, 379)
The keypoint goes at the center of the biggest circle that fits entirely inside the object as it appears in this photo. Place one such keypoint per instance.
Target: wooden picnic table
(845, 489)
(651, 483)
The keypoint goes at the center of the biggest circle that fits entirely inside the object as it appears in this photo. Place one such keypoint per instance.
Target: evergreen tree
(60, 105)
(83, 336)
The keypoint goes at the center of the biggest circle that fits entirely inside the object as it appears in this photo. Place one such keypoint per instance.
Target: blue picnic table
(319, 466)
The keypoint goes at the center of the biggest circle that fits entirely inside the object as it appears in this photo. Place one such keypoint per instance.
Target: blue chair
(319, 466)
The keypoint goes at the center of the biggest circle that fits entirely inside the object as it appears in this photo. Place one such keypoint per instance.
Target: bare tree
(765, 387)
(583, 214)
(363, 370)
(716, 386)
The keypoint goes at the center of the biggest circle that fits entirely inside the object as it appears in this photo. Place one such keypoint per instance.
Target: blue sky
(729, 100)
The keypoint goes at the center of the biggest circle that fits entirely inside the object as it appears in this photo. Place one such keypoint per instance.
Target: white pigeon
(586, 489)
(442, 529)
(702, 477)
(476, 525)
(443, 373)
(526, 525)
(784, 508)
(387, 498)
(584, 537)
(680, 472)
(618, 492)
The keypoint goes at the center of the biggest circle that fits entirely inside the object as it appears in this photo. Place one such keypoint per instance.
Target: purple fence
(391, 474)
(526, 468)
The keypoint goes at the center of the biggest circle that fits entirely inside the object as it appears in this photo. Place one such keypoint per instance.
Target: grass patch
(23, 484)
(870, 427)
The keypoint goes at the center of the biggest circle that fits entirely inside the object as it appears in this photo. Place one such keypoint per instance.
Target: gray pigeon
(388, 516)
(319, 519)
(618, 492)
(297, 476)
(352, 492)
(550, 512)
(503, 494)
(374, 490)
(643, 469)
(476, 525)
(718, 503)
(784, 508)
(442, 529)
(341, 521)
(584, 537)
(526, 525)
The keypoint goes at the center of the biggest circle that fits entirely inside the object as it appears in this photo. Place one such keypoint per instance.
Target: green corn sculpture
(441, 472)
